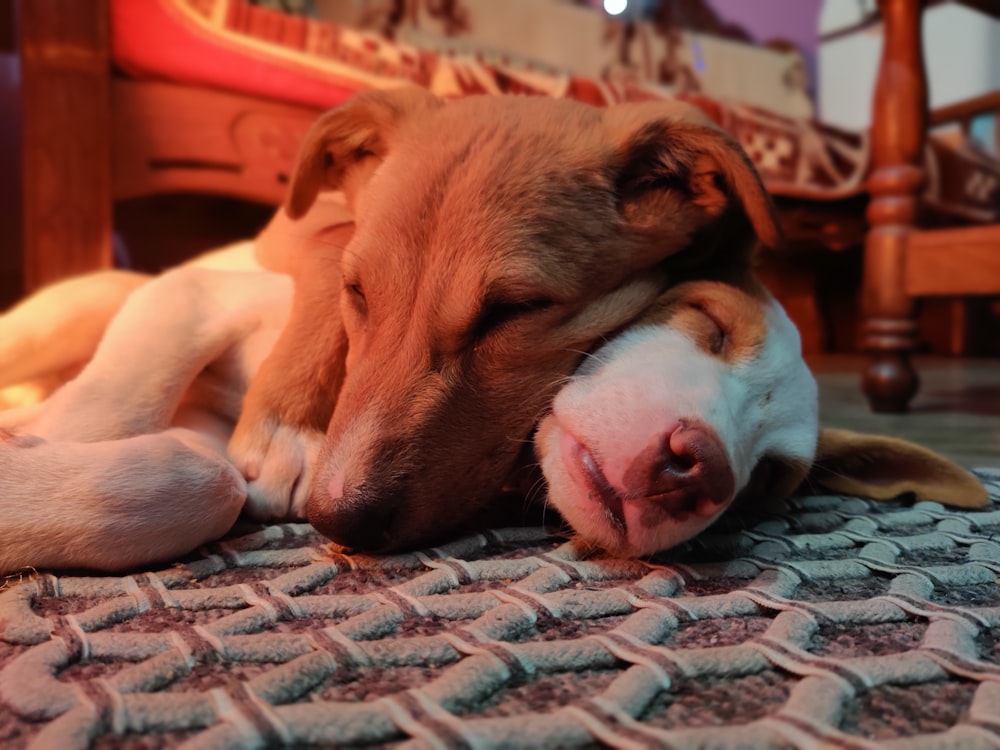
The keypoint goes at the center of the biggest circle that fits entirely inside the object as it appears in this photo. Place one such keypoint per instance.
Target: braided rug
(836, 623)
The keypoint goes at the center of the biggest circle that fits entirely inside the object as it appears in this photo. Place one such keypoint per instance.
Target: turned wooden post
(66, 155)
(899, 119)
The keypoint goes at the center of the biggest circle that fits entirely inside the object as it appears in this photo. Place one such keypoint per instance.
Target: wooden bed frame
(92, 137)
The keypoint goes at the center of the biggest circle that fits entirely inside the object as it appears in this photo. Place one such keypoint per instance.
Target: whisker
(593, 356)
(536, 490)
(561, 381)
(829, 470)
(522, 441)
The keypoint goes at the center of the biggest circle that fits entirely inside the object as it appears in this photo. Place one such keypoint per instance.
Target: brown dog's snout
(681, 467)
(684, 470)
(357, 517)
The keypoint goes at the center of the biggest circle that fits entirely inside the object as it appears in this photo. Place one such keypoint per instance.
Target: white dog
(707, 401)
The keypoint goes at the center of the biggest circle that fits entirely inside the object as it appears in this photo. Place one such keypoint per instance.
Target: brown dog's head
(498, 238)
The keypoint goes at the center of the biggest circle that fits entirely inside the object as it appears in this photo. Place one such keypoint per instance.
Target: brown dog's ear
(282, 245)
(673, 147)
(344, 145)
(883, 468)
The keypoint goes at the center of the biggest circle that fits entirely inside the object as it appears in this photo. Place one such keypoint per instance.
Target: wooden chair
(902, 261)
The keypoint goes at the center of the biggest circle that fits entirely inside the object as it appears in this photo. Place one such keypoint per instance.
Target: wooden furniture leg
(66, 157)
(899, 121)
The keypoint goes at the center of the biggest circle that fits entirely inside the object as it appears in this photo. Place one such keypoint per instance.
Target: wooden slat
(965, 109)
(953, 262)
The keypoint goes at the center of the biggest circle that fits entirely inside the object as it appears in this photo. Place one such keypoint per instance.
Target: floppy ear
(282, 245)
(883, 468)
(346, 144)
(680, 172)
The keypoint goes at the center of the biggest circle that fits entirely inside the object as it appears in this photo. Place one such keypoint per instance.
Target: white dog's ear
(680, 172)
(883, 468)
(345, 145)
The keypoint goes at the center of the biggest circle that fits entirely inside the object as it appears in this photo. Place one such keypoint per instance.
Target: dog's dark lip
(680, 501)
(609, 498)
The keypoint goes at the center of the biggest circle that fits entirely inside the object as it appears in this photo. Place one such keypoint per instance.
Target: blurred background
(140, 132)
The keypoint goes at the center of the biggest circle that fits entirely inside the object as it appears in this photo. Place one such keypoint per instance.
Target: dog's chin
(639, 527)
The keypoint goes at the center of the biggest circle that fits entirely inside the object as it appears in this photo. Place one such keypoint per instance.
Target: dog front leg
(289, 403)
(164, 336)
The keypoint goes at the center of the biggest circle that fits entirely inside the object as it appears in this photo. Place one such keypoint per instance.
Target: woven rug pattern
(836, 623)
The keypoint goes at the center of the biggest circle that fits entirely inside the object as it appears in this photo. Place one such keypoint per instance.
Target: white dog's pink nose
(681, 468)
(682, 471)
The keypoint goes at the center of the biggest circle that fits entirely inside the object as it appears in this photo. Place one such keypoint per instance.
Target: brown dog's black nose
(359, 518)
(681, 466)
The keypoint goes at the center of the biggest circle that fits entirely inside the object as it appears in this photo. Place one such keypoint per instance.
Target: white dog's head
(662, 428)
(703, 402)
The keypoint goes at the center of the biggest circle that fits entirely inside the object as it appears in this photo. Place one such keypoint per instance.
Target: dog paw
(278, 463)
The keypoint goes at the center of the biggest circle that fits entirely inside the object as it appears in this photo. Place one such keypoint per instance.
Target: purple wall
(796, 21)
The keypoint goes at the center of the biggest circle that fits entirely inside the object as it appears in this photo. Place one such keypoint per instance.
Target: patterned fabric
(237, 46)
(836, 623)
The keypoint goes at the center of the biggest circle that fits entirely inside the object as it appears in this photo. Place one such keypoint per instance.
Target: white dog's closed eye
(664, 426)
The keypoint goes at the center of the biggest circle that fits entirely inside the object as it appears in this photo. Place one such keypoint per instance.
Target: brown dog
(497, 239)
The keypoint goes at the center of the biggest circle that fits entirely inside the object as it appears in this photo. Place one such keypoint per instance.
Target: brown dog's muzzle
(361, 510)
(424, 473)
(382, 515)
(362, 517)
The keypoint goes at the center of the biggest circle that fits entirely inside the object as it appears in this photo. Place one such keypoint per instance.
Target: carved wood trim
(174, 138)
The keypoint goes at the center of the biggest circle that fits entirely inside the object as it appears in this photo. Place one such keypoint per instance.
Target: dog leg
(113, 505)
(164, 336)
(290, 401)
(59, 327)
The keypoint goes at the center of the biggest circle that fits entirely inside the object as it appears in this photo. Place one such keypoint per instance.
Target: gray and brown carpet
(839, 623)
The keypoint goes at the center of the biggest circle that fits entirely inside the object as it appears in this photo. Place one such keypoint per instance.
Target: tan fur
(726, 323)
(497, 238)
(125, 463)
(883, 468)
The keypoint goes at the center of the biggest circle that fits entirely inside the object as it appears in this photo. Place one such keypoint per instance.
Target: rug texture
(837, 623)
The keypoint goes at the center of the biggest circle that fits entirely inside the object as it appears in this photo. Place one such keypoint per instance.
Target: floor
(956, 412)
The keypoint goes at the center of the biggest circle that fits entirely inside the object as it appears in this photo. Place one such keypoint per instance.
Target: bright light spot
(615, 7)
